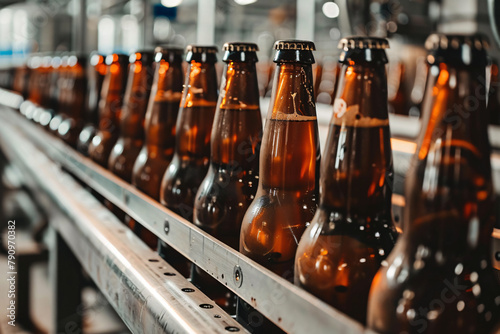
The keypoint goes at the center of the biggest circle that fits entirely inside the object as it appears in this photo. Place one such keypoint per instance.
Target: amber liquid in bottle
(113, 89)
(129, 144)
(439, 277)
(189, 164)
(159, 143)
(352, 231)
(231, 182)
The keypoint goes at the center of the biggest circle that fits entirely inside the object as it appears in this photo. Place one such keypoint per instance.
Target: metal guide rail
(291, 308)
(147, 293)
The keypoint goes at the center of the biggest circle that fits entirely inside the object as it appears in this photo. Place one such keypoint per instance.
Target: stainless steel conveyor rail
(146, 292)
(291, 308)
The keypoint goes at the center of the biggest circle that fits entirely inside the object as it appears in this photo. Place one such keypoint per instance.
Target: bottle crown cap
(169, 53)
(447, 42)
(358, 42)
(291, 44)
(240, 47)
(201, 49)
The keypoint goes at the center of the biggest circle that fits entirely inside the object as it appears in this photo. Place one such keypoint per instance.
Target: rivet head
(238, 276)
(166, 226)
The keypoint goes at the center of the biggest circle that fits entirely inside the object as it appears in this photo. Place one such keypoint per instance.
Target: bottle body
(439, 277)
(285, 201)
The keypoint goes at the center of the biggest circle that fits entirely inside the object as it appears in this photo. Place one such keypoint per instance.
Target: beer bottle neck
(168, 81)
(240, 86)
(357, 172)
(449, 191)
(136, 99)
(364, 88)
(237, 127)
(201, 85)
(293, 96)
(458, 111)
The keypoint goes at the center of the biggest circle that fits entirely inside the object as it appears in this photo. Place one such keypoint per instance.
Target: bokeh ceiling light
(331, 9)
(171, 3)
(244, 2)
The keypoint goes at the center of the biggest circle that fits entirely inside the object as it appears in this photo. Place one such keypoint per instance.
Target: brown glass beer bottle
(70, 127)
(110, 103)
(129, 144)
(159, 143)
(352, 231)
(285, 201)
(289, 163)
(189, 164)
(95, 77)
(194, 124)
(231, 182)
(439, 277)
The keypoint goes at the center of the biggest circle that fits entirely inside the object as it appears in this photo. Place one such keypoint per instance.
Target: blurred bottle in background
(110, 103)
(95, 77)
(131, 138)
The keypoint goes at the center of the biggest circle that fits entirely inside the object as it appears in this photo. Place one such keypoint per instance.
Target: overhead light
(171, 3)
(244, 2)
(331, 9)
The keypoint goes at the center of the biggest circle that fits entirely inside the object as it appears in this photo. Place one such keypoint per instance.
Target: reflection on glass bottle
(352, 231)
(439, 277)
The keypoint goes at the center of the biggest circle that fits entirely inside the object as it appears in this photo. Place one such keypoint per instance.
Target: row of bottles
(324, 223)
(405, 94)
